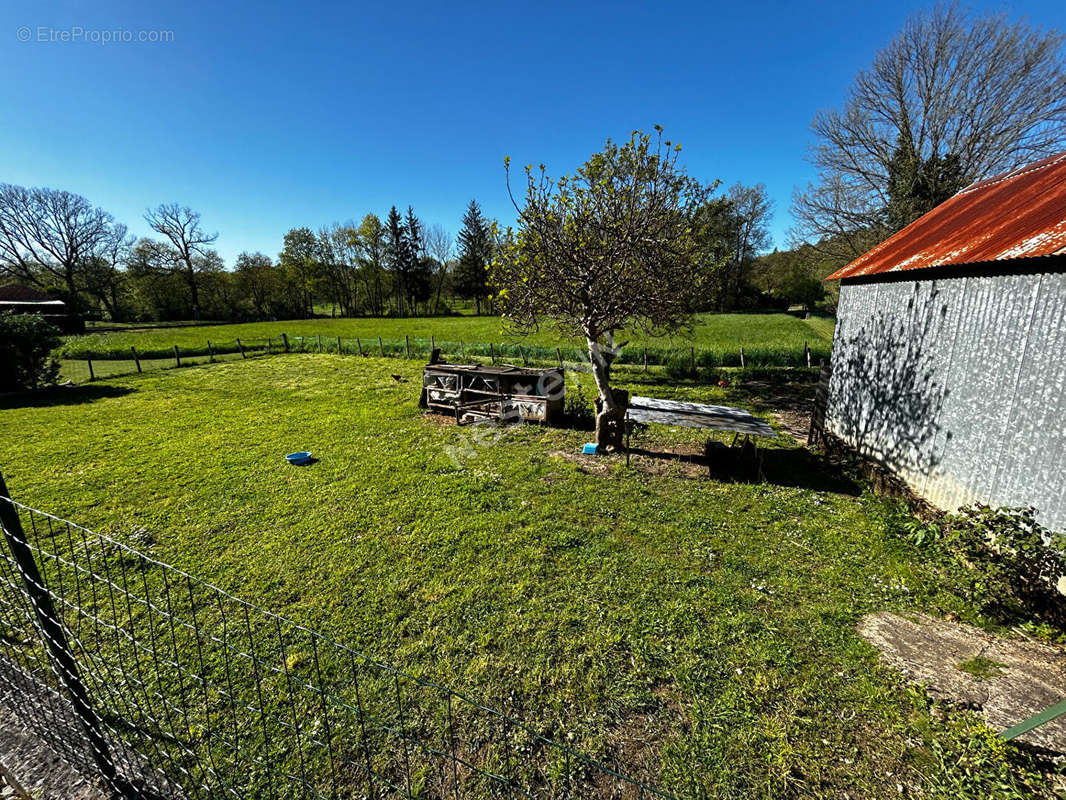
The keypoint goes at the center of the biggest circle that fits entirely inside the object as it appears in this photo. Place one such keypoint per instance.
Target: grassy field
(724, 333)
(698, 630)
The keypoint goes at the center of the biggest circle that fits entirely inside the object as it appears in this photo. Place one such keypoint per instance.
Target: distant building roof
(24, 295)
(1020, 214)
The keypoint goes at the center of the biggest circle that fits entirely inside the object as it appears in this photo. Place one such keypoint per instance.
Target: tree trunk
(609, 414)
(194, 292)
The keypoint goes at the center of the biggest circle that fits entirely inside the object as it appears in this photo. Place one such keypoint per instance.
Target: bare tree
(439, 245)
(950, 100)
(103, 276)
(50, 237)
(610, 247)
(181, 226)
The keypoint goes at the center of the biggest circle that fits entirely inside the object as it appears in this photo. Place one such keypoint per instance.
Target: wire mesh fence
(167, 686)
(82, 366)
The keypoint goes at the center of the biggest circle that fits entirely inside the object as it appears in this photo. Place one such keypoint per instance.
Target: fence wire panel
(112, 363)
(201, 695)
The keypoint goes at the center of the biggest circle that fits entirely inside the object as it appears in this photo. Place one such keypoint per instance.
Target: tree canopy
(950, 100)
(610, 247)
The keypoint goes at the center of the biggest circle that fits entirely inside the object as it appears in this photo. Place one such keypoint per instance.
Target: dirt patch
(1007, 680)
(796, 424)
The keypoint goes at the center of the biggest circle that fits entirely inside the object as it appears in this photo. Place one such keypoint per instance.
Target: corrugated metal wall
(959, 386)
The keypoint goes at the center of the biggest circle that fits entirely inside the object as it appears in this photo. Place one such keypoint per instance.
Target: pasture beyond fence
(678, 362)
(166, 686)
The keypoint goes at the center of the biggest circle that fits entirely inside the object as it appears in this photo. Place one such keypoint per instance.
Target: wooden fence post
(741, 356)
(381, 347)
(320, 342)
(210, 351)
(340, 350)
(241, 348)
(492, 353)
(692, 359)
(136, 358)
(177, 357)
(285, 341)
(807, 353)
(407, 345)
(559, 355)
(462, 350)
(92, 375)
(432, 343)
(645, 349)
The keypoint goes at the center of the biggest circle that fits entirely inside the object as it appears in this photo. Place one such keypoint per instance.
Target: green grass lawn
(724, 333)
(700, 632)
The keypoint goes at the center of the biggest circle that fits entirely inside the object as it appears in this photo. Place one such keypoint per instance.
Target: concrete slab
(1015, 678)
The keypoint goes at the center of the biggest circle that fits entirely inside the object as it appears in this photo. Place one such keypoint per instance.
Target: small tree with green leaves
(612, 247)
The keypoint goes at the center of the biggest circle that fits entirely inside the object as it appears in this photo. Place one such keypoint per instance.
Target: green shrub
(578, 408)
(1015, 563)
(26, 345)
(679, 366)
(1003, 558)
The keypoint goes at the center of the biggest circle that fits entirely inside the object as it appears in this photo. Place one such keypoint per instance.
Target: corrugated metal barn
(949, 359)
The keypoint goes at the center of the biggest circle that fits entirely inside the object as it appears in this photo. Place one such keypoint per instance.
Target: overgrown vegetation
(1010, 564)
(26, 345)
(698, 632)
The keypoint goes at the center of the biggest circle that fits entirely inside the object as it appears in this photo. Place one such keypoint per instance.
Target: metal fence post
(285, 341)
(136, 358)
(177, 357)
(55, 639)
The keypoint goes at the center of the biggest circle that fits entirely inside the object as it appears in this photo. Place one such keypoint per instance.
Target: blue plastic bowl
(299, 459)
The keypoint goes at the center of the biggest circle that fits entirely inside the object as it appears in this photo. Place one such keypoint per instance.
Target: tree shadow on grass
(62, 396)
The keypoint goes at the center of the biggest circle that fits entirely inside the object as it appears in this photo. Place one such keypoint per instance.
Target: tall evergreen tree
(397, 255)
(419, 273)
(475, 253)
(917, 185)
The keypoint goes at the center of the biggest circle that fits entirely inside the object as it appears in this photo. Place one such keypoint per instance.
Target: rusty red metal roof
(1020, 214)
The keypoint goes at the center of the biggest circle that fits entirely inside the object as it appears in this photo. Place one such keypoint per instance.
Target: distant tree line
(61, 243)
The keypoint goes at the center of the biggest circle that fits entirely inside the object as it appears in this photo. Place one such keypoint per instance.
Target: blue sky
(266, 117)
